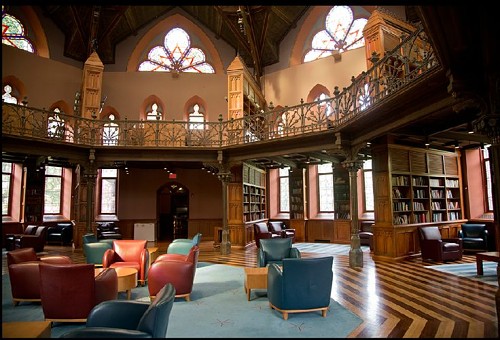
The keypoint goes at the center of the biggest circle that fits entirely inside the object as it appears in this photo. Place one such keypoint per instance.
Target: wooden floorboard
(394, 299)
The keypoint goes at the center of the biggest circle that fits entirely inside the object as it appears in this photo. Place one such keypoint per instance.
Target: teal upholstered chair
(129, 319)
(474, 236)
(300, 285)
(274, 250)
(183, 245)
(93, 250)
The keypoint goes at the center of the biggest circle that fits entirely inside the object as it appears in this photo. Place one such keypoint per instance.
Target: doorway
(173, 211)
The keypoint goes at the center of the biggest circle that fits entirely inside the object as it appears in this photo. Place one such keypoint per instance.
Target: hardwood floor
(394, 299)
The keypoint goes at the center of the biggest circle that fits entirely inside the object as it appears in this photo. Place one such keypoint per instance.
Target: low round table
(127, 279)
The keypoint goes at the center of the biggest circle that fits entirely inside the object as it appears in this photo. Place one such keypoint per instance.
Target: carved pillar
(90, 175)
(355, 253)
(225, 246)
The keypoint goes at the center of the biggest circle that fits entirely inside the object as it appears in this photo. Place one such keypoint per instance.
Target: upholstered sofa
(108, 230)
(61, 233)
(10, 239)
(36, 241)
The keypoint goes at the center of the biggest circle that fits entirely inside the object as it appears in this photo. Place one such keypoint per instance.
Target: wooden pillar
(355, 253)
(225, 246)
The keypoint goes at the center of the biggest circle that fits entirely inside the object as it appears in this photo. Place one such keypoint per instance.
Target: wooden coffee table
(255, 278)
(26, 329)
(486, 256)
(127, 279)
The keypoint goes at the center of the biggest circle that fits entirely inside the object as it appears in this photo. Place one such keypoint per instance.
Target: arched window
(13, 33)
(110, 132)
(176, 56)
(341, 33)
(155, 113)
(56, 125)
(7, 95)
(325, 187)
(284, 174)
(196, 118)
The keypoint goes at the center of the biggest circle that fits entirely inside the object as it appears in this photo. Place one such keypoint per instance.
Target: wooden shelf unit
(297, 194)
(34, 193)
(254, 194)
(341, 194)
(414, 187)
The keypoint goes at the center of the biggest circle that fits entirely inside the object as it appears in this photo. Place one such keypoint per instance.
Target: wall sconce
(470, 130)
(457, 145)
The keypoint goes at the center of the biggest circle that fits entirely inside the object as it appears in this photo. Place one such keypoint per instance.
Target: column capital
(224, 177)
(353, 165)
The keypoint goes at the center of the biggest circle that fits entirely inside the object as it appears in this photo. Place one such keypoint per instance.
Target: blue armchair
(274, 250)
(94, 249)
(183, 245)
(129, 319)
(474, 236)
(300, 285)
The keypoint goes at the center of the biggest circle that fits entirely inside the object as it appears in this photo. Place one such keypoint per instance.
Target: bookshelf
(254, 194)
(341, 194)
(297, 196)
(33, 204)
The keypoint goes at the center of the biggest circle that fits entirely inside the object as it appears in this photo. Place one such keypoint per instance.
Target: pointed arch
(191, 102)
(316, 91)
(176, 20)
(146, 106)
(18, 88)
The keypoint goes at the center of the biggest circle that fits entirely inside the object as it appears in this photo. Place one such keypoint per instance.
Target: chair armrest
(460, 233)
(108, 258)
(117, 314)
(261, 258)
(275, 284)
(295, 253)
(102, 332)
(58, 259)
(453, 240)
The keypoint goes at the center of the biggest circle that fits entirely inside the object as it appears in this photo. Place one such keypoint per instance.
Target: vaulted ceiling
(254, 31)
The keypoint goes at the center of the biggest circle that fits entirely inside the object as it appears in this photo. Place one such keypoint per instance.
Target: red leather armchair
(261, 231)
(70, 291)
(24, 273)
(436, 248)
(36, 241)
(128, 253)
(10, 239)
(279, 227)
(177, 269)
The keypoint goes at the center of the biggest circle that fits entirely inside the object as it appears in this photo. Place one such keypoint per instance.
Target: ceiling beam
(79, 25)
(249, 27)
(242, 43)
(113, 23)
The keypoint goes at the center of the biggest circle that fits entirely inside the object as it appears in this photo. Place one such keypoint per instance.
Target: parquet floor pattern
(394, 299)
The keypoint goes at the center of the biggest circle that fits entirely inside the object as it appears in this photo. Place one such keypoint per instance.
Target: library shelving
(254, 194)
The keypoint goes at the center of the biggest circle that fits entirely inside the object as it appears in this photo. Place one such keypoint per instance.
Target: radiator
(144, 231)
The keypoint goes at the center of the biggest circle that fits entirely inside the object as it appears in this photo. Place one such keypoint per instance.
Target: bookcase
(34, 193)
(341, 194)
(254, 193)
(296, 178)
(414, 187)
(423, 199)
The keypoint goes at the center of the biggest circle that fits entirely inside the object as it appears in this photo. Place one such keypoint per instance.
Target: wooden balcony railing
(410, 60)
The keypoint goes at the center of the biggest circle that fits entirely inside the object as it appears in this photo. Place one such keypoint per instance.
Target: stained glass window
(13, 33)
(176, 55)
(341, 33)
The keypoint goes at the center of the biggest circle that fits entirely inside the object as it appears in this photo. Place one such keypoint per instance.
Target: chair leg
(323, 312)
(285, 316)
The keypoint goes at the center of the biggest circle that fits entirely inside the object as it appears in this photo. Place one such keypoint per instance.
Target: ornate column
(90, 175)
(355, 253)
(225, 246)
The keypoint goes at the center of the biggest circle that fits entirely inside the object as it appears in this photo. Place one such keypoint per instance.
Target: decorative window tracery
(341, 33)
(176, 56)
(13, 33)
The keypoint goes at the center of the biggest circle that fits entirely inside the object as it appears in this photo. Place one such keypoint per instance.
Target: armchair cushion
(275, 250)
(300, 285)
(129, 319)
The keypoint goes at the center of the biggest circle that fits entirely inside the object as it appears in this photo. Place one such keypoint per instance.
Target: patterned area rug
(218, 309)
(469, 271)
